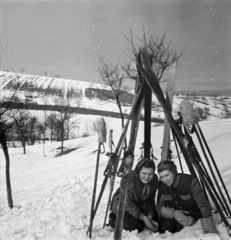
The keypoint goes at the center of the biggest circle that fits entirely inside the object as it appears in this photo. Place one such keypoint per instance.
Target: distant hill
(93, 100)
(94, 95)
(37, 85)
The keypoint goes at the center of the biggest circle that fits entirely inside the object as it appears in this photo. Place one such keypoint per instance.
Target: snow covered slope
(52, 194)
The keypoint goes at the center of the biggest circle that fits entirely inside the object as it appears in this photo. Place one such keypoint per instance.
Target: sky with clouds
(66, 37)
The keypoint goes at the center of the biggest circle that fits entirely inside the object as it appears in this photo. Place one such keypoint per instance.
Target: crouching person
(140, 200)
(181, 201)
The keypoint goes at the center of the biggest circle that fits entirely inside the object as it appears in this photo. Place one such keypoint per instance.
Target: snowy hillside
(52, 194)
(36, 87)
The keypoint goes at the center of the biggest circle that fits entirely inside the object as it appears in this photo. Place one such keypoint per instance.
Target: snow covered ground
(52, 194)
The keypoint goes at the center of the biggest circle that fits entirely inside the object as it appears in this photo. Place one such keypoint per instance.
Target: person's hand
(167, 212)
(150, 224)
(183, 219)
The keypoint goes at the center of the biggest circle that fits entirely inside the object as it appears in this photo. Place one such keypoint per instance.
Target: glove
(208, 225)
(182, 218)
(167, 212)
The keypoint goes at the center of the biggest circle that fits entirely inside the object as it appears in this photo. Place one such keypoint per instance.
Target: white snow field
(52, 194)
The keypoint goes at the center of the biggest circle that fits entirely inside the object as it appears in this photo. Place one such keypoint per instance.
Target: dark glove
(208, 225)
(183, 219)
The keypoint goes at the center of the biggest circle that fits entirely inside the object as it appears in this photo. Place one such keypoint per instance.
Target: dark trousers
(130, 223)
(170, 224)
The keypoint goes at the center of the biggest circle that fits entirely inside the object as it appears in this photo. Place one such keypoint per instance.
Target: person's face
(146, 175)
(167, 177)
(129, 160)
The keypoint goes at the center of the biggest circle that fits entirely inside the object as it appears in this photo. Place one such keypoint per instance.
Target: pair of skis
(114, 157)
(126, 168)
(127, 162)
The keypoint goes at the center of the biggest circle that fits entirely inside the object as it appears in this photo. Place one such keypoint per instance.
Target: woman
(140, 205)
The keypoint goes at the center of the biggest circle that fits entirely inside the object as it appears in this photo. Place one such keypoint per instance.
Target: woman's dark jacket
(140, 197)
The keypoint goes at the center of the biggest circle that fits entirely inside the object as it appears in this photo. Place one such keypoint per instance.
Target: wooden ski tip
(173, 70)
(187, 113)
(102, 131)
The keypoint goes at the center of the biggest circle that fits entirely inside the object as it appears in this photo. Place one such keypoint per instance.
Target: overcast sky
(65, 37)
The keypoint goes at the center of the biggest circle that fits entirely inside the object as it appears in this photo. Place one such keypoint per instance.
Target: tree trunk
(51, 135)
(62, 136)
(23, 144)
(43, 142)
(8, 184)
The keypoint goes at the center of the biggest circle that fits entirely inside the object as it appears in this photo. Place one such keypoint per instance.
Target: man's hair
(167, 165)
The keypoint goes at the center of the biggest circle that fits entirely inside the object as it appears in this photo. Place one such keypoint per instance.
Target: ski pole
(101, 140)
(197, 162)
(203, 168)
(227, 224)
(210, 154)
(212, 172)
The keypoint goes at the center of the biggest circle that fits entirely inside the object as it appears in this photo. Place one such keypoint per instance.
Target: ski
(144, 67)
(112, 175)
(165, 154)
(147, 122)
(126, 167)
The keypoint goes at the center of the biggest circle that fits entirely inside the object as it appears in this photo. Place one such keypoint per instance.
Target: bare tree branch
(162, 54)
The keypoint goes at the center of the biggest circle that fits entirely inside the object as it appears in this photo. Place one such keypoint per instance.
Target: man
(181, 201)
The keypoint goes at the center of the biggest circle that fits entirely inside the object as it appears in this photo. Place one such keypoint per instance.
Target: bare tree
(64, 102)
(42, 128)
(113, 76)
(162, 54)
(21, 121)
(43, 125)
(32, 133)
(52, 120)
(6, 107)
(4, 127)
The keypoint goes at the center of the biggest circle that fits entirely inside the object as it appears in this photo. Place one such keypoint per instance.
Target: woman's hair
(147, 163)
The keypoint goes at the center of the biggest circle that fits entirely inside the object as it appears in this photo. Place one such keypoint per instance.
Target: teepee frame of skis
(181, 131)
